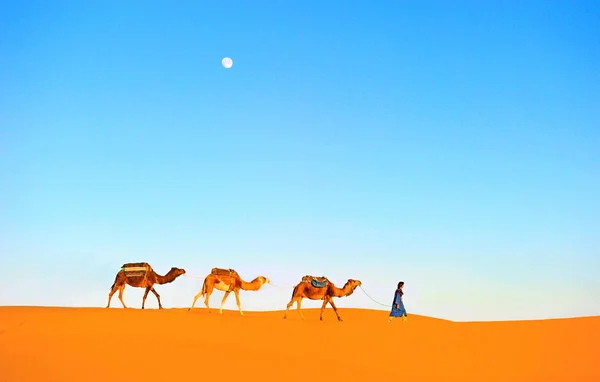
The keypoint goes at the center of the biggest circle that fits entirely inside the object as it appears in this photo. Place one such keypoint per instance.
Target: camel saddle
(135, 269)
(223, 272)
(317, 282)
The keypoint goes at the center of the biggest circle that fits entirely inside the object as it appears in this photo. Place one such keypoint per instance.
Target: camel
(227, 280)
(141, 275)
(320, 288)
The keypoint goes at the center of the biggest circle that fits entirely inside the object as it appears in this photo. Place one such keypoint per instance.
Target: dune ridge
(98, 344)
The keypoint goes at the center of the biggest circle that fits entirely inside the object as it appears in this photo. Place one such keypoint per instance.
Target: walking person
(398, 309)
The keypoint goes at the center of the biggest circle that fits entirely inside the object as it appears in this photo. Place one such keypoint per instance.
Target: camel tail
(204, 287)
(294, 291)
(115, 282)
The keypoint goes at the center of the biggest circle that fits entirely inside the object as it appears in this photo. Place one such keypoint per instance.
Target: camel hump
(317, 282)
(136, 269)
(223, 272)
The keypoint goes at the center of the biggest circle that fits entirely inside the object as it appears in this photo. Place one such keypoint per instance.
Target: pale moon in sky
(227, 62)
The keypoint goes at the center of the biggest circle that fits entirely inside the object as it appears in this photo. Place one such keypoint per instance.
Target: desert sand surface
(99, 344)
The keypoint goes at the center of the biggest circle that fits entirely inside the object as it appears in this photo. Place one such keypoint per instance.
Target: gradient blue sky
(452, 145)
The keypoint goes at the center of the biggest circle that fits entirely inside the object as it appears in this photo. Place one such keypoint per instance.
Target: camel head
(263, 280)
(177, 271)
(351, 285)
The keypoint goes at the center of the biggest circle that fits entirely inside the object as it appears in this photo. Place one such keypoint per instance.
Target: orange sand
(97, 344)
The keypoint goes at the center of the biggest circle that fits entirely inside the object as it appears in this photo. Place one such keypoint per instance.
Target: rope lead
(372, 299)
(280, 286)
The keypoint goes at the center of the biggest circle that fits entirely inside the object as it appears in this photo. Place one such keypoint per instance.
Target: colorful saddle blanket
(317, 282)
(135, 269)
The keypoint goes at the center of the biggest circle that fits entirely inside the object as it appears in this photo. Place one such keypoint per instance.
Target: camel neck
(254, 285)
(337, 291)
(164, 279)
(341, 292)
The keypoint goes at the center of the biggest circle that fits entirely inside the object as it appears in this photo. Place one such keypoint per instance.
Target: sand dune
(97, 344)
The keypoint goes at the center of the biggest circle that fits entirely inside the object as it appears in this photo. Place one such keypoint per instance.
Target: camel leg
(223, 302)
(323, 307)
(330, 301)
(196, 297)
(121, 289)
(157, 296)
(237, 300)
(298, 305)
(287, 308)
(145, 295)
(334, 309)
(208, 293)
(289, 305)
(110, 294)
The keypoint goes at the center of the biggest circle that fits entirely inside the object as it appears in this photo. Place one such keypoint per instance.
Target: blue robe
(398, 312)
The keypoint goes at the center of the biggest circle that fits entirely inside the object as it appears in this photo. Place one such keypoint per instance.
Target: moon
(227, 62)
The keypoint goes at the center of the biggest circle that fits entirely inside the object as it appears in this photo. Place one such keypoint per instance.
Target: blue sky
(450, 145)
